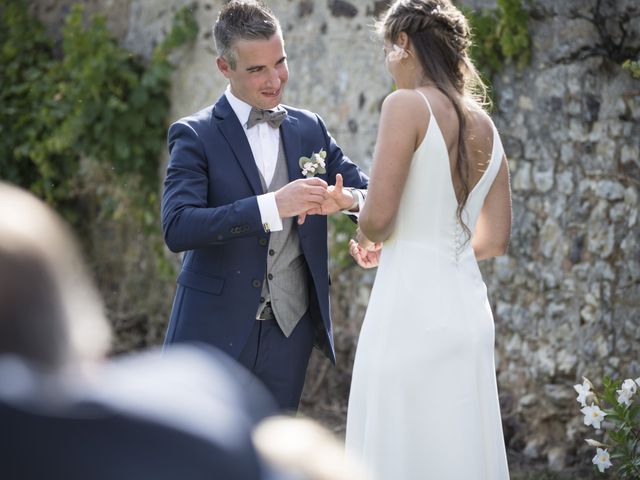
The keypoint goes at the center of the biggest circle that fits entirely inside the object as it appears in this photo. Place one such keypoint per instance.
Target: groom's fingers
(339, 183)
(312, 211)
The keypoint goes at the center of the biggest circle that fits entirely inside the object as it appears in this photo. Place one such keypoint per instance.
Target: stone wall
(566, 298)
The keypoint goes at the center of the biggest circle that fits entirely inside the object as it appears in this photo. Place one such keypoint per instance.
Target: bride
(424, 400)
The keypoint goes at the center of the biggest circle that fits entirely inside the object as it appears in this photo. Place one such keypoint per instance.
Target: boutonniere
(311, 166)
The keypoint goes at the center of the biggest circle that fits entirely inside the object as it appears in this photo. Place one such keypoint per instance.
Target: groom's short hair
(242, 20)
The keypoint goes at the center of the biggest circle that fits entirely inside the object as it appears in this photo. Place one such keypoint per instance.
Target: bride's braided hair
(441, 38)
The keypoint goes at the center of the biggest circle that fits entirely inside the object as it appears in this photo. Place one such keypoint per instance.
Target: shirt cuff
(360, 197)
(269, 215)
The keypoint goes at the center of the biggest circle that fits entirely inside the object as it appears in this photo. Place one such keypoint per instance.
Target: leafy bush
(615, 411)
(98, 107)
(82, 125)
(500, 35)
(633, 66)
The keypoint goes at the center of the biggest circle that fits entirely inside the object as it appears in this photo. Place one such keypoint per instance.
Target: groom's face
(260, 73)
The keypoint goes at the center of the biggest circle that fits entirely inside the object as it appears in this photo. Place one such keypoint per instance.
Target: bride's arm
(403, 121)
(493, 229)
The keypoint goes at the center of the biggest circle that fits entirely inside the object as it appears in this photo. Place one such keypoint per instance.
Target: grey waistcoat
(286, 284)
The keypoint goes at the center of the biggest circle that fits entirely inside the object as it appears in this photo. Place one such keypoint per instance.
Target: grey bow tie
(274, 119)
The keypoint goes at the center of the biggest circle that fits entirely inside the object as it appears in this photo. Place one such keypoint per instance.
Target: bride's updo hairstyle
(441, 38)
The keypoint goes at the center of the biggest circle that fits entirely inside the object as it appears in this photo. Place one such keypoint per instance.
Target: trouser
(280, 362)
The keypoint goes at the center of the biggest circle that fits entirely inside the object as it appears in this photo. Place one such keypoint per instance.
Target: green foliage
(98, 111)
(341, 229)
(500, 35)
(26, 56)
(633, 66)
(82, 126)
(184, 30)
(621, 405)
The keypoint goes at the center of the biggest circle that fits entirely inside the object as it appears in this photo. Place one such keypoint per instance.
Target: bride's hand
(363, 257)
(365, 243)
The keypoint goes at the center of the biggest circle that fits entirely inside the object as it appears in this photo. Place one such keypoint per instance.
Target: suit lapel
(292, 142)
(234, 134)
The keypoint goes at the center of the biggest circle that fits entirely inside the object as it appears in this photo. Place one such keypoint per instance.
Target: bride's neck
(414, 78)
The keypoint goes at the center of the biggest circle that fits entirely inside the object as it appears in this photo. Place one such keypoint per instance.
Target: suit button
(256, 283)
(270, 277)
(263, 242)
(272, 252)
(261, 299)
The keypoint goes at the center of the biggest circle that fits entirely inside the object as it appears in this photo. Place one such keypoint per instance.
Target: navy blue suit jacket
(210, 211)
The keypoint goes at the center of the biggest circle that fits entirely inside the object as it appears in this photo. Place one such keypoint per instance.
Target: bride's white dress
(424, 400)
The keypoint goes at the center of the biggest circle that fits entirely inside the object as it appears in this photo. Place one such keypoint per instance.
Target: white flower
(630, 385)
(602, 459)
(593, 416)
(397, 53)
(586, 381)
(314, 164)
(637, 380)
(594, 443)
(583, 391)
(627, 390)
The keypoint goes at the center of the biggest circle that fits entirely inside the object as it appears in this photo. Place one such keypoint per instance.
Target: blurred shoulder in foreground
(68, 413)
(304, 448)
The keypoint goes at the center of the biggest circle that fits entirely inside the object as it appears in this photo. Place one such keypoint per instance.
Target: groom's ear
(223, 66)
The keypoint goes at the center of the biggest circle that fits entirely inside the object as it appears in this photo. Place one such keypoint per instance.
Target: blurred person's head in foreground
(156, 416)
(51, 315)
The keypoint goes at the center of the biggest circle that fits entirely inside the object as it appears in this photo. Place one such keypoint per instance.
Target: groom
(254, 282)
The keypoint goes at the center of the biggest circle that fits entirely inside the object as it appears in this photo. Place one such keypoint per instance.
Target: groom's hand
(337, 199)
(300, 196)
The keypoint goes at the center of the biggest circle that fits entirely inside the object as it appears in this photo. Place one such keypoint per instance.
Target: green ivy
(341, 229)
(27, 60)
(95, 111)
(633, 66)
(500, 35)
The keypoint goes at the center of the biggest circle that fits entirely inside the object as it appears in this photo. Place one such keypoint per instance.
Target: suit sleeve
(338, 162)
(188, 222)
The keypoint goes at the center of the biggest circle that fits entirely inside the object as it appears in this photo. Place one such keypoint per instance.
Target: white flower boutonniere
(311, 166)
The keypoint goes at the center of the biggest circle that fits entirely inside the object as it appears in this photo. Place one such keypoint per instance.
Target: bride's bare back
(403, 125)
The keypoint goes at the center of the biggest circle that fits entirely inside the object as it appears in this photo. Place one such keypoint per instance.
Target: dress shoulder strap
(426, 101)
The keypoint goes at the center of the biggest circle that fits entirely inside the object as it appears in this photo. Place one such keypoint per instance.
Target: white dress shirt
(264, 141)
